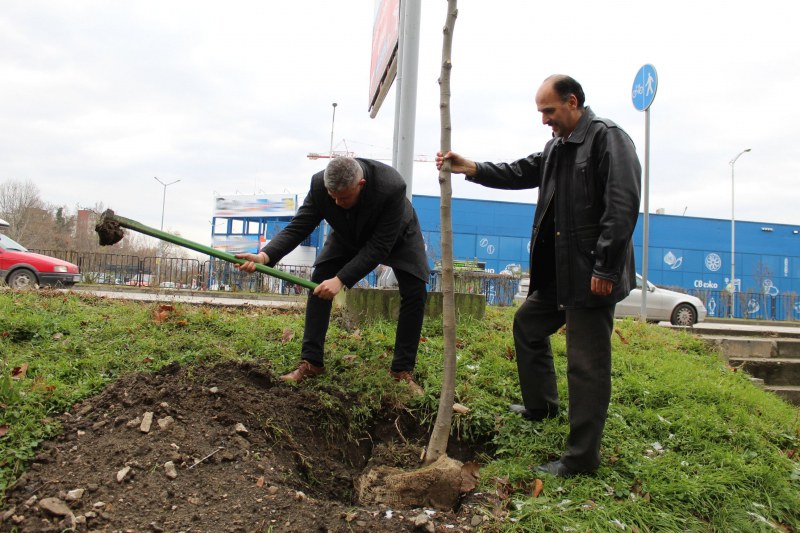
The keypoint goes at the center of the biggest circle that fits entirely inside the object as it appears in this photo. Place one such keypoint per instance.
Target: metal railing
(214, 274)
(750, 305)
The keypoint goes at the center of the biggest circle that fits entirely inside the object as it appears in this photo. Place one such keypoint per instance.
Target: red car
(21, 269)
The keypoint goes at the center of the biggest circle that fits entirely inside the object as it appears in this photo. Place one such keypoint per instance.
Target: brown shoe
(304, 370)
(405, 375)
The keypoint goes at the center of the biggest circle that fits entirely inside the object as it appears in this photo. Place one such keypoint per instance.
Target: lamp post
(163, 204)
(733, 235)
(330, 157)
(164, 198)
(333, 119)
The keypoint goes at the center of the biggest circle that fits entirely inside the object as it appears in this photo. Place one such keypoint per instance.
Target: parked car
(522, 291)
(21, 269)
(662, 304)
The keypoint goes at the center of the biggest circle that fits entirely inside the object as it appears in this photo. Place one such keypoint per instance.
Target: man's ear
(573, 101)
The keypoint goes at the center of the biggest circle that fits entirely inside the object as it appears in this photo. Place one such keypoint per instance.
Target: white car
(662, 304)
(522, 291)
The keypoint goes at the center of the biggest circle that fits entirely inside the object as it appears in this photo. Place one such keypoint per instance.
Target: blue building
(688, 253)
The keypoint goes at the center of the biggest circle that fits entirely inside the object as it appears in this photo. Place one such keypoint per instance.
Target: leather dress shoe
(527, 414)
(405, 375)
(304, 370)
(556, 468)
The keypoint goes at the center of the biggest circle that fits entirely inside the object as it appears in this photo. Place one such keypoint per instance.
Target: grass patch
(689, 444)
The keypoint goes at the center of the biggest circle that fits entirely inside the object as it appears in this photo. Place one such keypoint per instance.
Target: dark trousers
(413, 295)
(588, 370)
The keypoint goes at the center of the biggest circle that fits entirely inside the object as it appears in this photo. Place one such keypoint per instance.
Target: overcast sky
(98, 98)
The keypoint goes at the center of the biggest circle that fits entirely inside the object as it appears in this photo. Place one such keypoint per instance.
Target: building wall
(686, 252)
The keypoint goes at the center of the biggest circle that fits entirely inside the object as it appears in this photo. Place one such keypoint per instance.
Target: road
(192, 297)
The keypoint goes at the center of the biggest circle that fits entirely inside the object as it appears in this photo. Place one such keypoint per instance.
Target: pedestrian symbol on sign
(645, 85)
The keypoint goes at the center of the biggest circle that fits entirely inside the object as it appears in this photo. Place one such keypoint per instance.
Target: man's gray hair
(342, 173)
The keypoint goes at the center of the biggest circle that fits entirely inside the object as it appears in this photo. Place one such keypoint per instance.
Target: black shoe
(556, 468)
(527, 414)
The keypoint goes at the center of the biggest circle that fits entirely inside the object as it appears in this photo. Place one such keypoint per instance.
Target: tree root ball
(109, 230)
(437, 485)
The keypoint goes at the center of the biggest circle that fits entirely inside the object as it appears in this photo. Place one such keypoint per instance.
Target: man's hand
(250, 261)
(458, 164)
(329, 288)
(601, 287)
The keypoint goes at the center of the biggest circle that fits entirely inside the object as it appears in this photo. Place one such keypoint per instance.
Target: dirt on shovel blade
(109, 230)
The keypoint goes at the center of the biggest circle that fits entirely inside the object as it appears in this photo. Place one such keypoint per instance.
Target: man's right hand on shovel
(250, 261)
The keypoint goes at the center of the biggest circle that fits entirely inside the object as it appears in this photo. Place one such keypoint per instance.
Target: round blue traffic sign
(644, 87)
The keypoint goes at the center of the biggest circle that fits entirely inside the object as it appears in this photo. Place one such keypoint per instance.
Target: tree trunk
(441, 429)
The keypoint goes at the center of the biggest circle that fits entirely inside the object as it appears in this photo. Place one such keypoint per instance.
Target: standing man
(372, 223)
(581, 261)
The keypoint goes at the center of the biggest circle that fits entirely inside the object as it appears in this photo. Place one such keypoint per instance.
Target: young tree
(440, 435)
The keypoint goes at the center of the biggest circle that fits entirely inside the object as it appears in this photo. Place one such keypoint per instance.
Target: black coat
(382, 228)
(591, 181)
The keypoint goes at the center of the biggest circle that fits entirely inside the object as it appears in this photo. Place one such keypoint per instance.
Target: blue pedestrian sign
(644, 87)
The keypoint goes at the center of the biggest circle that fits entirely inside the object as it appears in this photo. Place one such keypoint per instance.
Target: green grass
(689, 445)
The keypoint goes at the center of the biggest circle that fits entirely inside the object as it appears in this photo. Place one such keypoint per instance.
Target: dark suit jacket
(382, 228)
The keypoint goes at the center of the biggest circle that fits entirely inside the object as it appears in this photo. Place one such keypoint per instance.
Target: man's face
(561, 116)
(347, 198)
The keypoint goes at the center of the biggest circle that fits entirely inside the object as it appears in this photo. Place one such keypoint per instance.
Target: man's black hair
(565, 86)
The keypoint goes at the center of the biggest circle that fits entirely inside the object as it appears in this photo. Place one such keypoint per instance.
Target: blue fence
(217, 275)
(750, 305)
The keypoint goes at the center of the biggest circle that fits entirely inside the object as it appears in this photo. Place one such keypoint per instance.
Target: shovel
(109, 229)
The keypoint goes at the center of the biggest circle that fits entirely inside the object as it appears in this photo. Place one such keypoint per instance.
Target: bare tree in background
(38, 225)
(20, 206)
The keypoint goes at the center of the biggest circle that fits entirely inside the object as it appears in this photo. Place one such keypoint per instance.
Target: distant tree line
(36, 224)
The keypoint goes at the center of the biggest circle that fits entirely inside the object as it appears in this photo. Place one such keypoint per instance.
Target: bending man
(372, 223)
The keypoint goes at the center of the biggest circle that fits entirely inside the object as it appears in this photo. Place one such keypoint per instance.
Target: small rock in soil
(122, 473)
(170, 470)
(147, 421)
(75, 495)
(55, 507)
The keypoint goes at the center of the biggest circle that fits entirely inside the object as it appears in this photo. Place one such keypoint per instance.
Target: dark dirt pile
(108, 230)
(218, 449)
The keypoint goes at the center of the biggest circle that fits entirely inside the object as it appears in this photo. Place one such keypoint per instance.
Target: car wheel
(22, 279)
(684, 315)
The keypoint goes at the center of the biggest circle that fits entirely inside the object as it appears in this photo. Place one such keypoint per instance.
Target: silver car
(662, 304)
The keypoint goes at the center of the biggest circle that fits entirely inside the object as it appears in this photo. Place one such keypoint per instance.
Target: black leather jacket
(591, 180)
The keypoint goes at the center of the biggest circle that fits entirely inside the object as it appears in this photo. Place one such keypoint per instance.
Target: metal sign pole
(644, 92)
(646, 216)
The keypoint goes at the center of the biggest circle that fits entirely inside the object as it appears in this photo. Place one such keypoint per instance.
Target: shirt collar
(579, 133)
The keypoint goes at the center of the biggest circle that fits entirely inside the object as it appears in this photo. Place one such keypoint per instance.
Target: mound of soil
(213, 449)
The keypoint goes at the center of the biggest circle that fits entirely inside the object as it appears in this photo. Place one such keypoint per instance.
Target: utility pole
(160, 244)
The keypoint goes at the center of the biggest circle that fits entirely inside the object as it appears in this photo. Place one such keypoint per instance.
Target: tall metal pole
(409, 40)
(398, 85)
(333, 121)
(330, 157)
(163, 205)
(646, 215)
(733, 236)
(164, 198)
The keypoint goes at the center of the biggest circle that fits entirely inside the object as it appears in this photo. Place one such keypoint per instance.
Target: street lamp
(733, 235)
(330, 157)
(160, 244)
(333, 119)
(164, 198)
